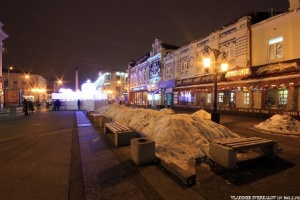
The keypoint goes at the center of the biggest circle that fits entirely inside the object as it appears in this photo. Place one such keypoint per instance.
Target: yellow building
(32, 86)
(114, 84)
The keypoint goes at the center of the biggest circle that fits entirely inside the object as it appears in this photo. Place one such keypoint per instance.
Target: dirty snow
(282, 124)
(181, 137)
(178, 137)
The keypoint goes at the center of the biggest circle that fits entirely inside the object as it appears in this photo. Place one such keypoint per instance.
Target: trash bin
(142, 150)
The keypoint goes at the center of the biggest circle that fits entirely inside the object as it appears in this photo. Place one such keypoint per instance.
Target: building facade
(114, 84)
(263, 56)
(145, 76)
(3, 36)
(32, 86)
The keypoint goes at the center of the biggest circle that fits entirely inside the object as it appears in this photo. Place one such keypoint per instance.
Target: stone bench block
(142, 150)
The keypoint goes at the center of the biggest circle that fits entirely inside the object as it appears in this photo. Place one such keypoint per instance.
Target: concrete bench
(94, 117)
(102, 120)
(224, 151)
(122, 134)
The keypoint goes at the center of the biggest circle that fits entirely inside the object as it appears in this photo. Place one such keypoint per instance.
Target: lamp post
(26, 84)
(10, 68)
(215, 116)
(59, 82)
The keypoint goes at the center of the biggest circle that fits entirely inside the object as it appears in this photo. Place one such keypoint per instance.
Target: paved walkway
(61, 155)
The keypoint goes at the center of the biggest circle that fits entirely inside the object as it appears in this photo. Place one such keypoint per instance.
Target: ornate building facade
(263, 55)
(145, 76)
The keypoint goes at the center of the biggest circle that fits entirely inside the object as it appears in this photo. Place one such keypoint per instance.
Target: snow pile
(178, 137)
(167, 111)
(280, 124)
(203, 114)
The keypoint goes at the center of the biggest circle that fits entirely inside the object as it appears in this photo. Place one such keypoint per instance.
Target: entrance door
(169, 100)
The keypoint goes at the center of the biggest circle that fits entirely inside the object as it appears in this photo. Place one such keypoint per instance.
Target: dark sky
(52, 37)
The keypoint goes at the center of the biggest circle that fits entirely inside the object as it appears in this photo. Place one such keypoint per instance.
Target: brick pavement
(106, 171)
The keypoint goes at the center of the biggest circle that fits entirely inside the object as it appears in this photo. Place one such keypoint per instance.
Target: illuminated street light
(10, 68)
(215, 116)
(58, 83)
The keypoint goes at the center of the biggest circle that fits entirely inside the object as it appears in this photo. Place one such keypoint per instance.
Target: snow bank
(203, 114)
(167, 111)
(280, 124)
(178, 137)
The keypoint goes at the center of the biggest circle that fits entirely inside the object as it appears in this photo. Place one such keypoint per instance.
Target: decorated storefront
(138, 96)
(166, 88)
(267, 89)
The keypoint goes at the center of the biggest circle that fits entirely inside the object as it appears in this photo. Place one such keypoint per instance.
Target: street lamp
(10, 68)
(215, 116)
(59, 83)
(26, 84)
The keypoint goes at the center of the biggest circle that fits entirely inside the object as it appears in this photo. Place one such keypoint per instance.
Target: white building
(114, 84)
(145, 76)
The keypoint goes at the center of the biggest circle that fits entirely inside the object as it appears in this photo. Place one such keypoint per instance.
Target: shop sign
(188, 81)
(178, 83)
(166, 84)
(238, 73)
(144, 87)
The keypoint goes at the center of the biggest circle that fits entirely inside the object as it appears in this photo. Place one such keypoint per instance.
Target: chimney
(294, 4)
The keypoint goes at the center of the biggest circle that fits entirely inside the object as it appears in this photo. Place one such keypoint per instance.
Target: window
(231, 97)
(275, 47)
(221, 97)
(15, 84)
(232, 52)
(209, 98)
(5, 84)
(107, 77)
(283, 97)
(246, 98)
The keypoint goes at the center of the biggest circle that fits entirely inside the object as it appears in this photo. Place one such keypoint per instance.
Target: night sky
(52, 37)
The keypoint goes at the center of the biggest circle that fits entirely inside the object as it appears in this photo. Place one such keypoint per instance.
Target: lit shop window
(283, 97)
(275, 47)
(221, 97)
(231, 97)
(209, 98)
(246, 98)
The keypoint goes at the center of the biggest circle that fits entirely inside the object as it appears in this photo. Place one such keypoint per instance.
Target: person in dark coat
(57, 104)
(30, 106)
(78, 104)
(25, 107)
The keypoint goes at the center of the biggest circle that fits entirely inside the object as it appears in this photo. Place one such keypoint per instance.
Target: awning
(168, 90)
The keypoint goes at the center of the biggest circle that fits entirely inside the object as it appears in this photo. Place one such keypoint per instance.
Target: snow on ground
(203, 114)
(178, 137)
(282, 124)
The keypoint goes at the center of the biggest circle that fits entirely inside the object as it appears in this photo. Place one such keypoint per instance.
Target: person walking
(78, 104)
(25, 107)
(30, 106)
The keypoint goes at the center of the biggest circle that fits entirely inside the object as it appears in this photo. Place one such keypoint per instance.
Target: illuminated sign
(12, 97)
(139, 88)
(238, 73)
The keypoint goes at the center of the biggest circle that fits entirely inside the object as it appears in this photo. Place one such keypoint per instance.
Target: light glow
(224, 67)
(206, 62)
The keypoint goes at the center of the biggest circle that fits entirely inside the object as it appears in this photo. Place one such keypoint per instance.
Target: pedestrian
(30, 106)
(78, 104)
(25, 107)
(57, 104)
